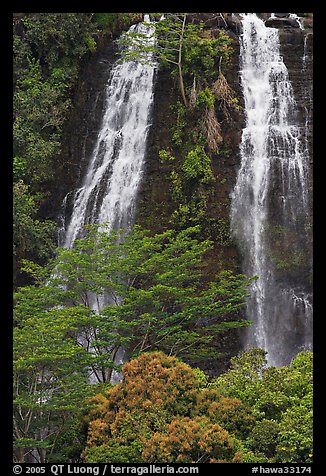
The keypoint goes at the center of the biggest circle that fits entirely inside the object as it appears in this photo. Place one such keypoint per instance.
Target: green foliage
(114, 21)
(19, 168)
(56, 37)
(190, 189)
(91, 43)
(157, 301)
(197, 166)
(40, 107)
(194, 57)
(165, 156)
(181, 46)
(70, 439)
(32, 238)
(295, 440)
(157, 283)
(50, 373)
(196, 133)
(205, 98)
(281, 401)
(192, 210)
(181, 122)
(231, 413)
(220, 229)
(163, 410)
(202, 56)
(264, 437)
(115, 452)
(21, 54)
(47, 50)
(106, 20)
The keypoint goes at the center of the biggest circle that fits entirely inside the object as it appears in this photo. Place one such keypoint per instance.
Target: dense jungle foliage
(160, 307)
(48, 51)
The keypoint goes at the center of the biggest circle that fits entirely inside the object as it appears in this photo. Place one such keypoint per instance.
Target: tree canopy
(153, 412)
(166, 411)
(178, 44)
(138, 293)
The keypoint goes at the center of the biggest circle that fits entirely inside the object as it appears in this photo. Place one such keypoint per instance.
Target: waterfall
(270, 201)
(110, 186)
(109, 189)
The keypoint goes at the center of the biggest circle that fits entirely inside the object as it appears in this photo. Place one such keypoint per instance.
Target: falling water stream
(270, 201)
(109, 189)
(110, 186)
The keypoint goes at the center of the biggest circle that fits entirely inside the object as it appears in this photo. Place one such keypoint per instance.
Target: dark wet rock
(264, 16)
(210, 20)
(308, 22)
(234, 22)
(282, 23)
(155, 205)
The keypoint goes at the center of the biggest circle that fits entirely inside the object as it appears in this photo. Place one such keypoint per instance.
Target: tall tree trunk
(182, 89)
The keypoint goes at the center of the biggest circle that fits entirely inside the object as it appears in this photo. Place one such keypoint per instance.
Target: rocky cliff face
(293, 257)
(292, 253)
(292, 250)
(155, 202)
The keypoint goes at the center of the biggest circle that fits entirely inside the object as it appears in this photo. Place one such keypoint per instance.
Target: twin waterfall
(269, 215)
(269, 212)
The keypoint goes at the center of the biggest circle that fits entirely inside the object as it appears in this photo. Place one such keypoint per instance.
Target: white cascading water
(270, 199)
(109, 190)
(110, 187)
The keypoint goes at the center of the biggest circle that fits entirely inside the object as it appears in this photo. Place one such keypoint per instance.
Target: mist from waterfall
(270, 202)
(108, 193)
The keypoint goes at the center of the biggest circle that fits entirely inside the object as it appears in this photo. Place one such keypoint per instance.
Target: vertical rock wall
(155, 204)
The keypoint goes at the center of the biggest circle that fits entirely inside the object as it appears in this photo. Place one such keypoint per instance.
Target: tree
(154, 389)
(231, 413)
(148, 292)
(140, 293)
(177, 43)
(50, 378)
(33, 238)
(155, 415)
(165, 411)
(47, 49)
(281, 401)
(187, 440)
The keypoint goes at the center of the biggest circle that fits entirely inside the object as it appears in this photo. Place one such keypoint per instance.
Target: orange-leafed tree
(232, 414)
(162, 412)
(190, 440)
(155, 387)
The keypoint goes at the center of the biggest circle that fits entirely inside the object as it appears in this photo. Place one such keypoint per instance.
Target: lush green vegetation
(48, 49)
(166, 411)
(195, 58)
(48, 52)
(64, 331)
(146, 293)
